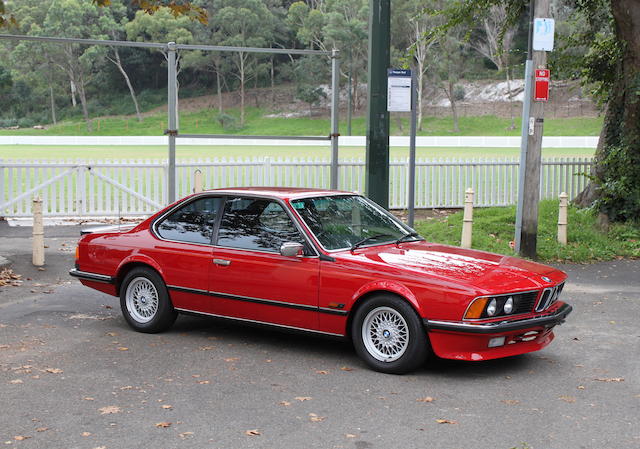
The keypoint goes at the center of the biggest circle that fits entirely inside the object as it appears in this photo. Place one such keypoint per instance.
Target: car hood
(488, 272)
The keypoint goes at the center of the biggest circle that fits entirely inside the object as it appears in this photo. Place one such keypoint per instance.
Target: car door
(183, 250)
(250, 279)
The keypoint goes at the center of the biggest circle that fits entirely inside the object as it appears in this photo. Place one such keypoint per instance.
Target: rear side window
(192, 223)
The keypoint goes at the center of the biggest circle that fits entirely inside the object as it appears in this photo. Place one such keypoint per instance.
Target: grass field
(493, 229)
(33, 152)
(204, 122)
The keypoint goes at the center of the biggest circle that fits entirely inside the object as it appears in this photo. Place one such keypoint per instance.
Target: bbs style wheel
(145, 302)
(388, 335)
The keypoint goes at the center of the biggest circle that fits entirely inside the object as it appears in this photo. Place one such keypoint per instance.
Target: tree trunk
(83, 102)
(219, 91)
(73, 93)
(454, 109)
(118, 64)
(273, 83)
(53, 105)
(420, 67)
(621, 128)
(513, 120)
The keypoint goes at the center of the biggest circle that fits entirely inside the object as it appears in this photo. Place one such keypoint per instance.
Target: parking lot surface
(73, 375)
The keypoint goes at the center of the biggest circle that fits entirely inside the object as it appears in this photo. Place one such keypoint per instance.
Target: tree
(245, 23)
(613, 66)
(495, 44)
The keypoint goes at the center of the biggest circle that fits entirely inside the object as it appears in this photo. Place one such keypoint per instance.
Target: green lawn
(204, 122)
(493, 229)
(32, 152)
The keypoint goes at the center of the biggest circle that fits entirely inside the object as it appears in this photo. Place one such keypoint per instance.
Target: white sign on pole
(398, 90)
(543, 34)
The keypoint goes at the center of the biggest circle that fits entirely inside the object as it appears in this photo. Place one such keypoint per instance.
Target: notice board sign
(543, 30)
(541, 92)
(398, 90)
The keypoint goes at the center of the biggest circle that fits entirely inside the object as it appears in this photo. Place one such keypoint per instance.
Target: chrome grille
(549, 296)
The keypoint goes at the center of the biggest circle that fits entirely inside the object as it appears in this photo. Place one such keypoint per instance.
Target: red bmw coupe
(328, 262)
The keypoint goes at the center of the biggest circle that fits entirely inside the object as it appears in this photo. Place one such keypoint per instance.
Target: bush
(459, 93)
(228, 122)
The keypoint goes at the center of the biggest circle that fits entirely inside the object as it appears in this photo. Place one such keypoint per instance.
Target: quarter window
(256, 224)
(192, 223)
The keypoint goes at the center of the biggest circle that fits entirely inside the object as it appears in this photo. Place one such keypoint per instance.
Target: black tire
(148, 309)
(400, 343)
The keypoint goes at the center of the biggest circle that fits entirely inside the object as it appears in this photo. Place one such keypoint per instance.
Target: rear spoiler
(108, 228)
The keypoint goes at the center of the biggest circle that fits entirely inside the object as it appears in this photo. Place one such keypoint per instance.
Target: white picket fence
(78, 188)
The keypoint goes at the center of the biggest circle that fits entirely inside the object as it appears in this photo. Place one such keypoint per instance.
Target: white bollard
(467, 220)
(197, 181)
(562, 218)
(38, 233)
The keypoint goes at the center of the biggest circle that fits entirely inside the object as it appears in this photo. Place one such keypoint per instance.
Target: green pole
(377, 158)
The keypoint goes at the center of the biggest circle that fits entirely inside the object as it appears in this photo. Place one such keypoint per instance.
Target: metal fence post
(172, 119)
(335, 104)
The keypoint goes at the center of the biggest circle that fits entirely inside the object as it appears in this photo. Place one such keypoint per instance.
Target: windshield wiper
(365, 240)
(411, 234)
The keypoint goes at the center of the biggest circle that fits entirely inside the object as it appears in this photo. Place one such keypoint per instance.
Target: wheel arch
(362, 299)
(127, 265)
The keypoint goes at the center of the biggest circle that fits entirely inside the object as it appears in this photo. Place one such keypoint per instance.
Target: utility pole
(377, 156)
(531, 155)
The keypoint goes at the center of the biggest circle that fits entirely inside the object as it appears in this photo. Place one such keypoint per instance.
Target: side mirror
(292, 249)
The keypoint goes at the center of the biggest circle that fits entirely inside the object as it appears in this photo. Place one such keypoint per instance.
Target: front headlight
(501, 305)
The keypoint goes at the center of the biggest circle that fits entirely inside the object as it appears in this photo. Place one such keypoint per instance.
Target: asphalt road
(73, 375)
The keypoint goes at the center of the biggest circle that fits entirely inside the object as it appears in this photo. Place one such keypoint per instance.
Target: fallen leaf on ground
(21, 437)
(42, 429)
(569, 399)
(112, 334)
(126, 387)
(122, 348)
(185, 434)
(88, 399)
(86, 434)
(580, 387)
(163, 424)
(109, 410)
(346, 368)
(16, 381)
(167, 407)
(54, 370)
(284, 403)
(315, 418)
(510, 401)
(350, 435)
(207, 348)
(609, 379)
(321, 371)
(303, 398)
(252, 432)
(231, 359)
(425, 399)
(203, 382)
(446, 421)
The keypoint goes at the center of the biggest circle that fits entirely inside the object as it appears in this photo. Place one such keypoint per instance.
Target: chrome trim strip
(259, 322)
(268, 302)
(91, 276)
(551, 320)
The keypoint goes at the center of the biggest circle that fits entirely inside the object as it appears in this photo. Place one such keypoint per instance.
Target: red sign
(542, 85)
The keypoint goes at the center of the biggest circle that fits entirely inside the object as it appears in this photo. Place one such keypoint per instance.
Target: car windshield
(350, 221)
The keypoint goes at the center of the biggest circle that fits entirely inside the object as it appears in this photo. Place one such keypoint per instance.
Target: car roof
(285, 193)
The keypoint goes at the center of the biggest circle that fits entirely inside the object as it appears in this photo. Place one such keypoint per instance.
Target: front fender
(388, 286)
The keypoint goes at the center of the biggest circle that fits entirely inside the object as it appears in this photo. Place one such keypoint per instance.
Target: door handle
(223, 262)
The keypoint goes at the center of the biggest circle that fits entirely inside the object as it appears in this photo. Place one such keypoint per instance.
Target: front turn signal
(474, 311)
(77, 253)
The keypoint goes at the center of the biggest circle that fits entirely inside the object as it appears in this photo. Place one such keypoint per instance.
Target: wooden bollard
(197, 181)
(467, 220)
(562, 218)
(38, 233)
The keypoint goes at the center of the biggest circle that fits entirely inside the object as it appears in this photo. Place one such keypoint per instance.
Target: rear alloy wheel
(145, 302)
(388, 335)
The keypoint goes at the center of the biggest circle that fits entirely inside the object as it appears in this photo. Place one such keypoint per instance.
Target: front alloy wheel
(388, 335)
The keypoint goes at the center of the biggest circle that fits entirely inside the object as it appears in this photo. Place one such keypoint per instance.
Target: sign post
(402, 97)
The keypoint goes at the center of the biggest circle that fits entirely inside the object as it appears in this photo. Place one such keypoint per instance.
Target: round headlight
(508, 305)
(492, 307)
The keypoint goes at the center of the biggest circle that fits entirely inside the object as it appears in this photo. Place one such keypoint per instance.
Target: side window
(192, 223)
(257, 224)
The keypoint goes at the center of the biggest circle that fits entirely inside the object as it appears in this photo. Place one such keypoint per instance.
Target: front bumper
(467, 341)
(549, 320)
